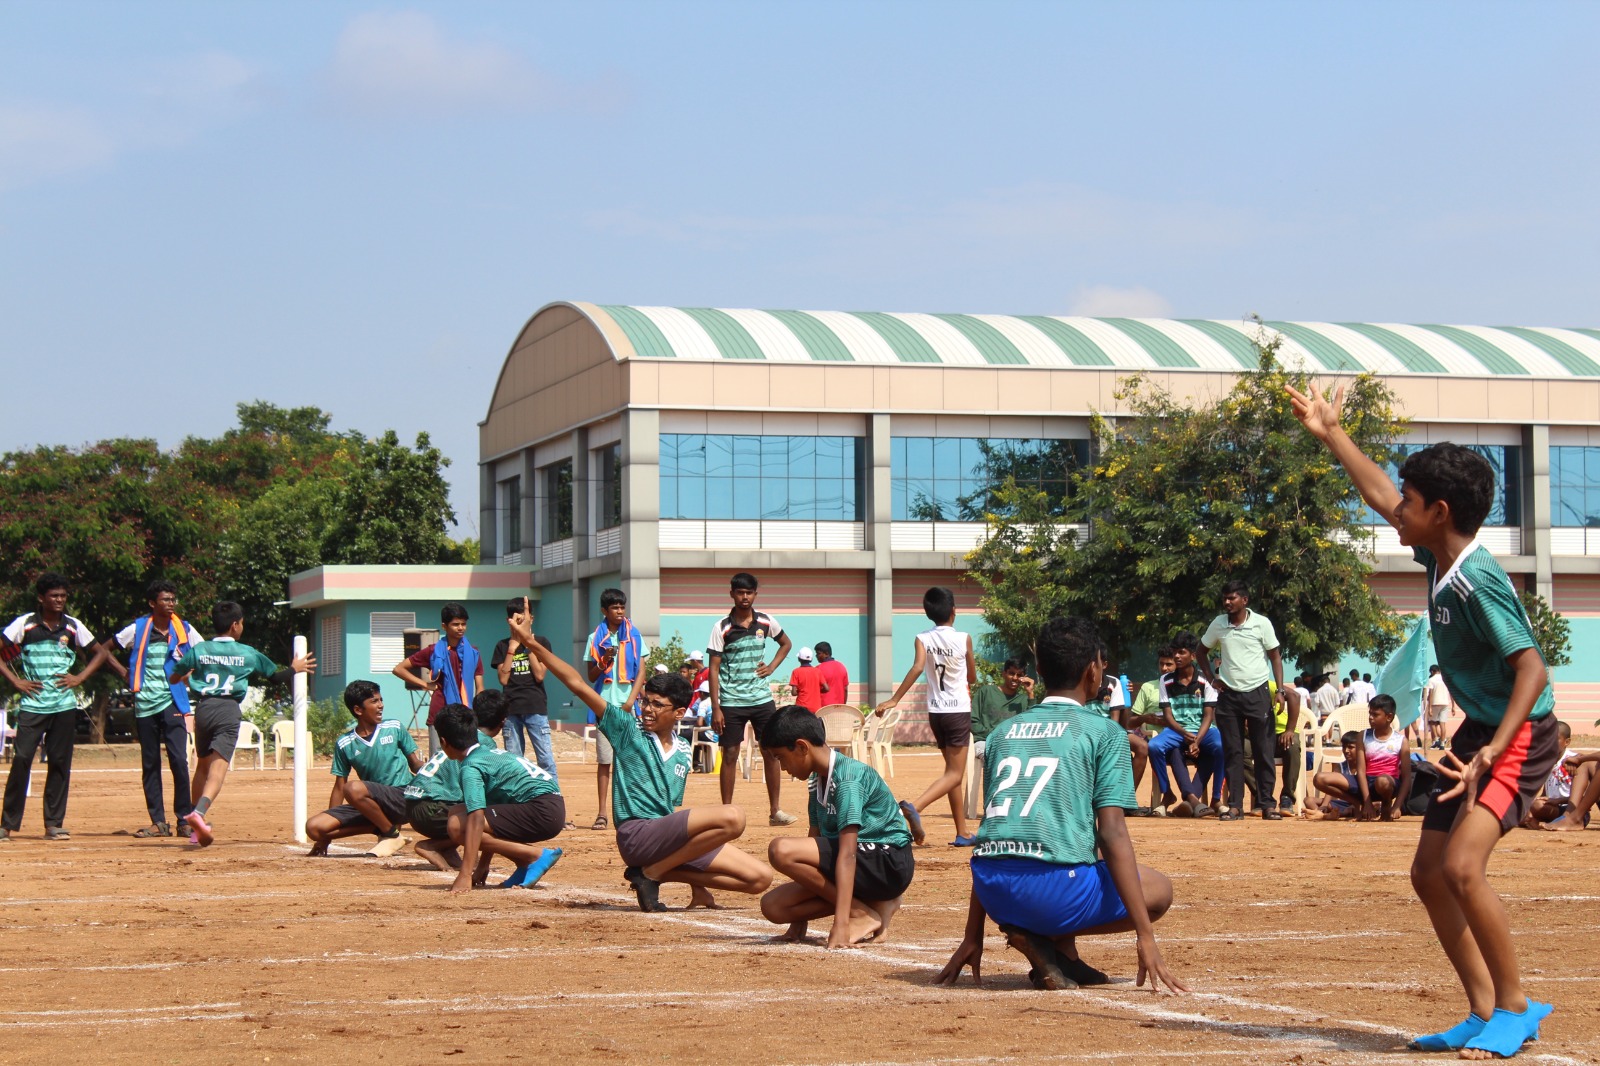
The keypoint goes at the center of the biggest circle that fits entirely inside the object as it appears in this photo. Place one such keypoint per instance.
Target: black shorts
(883, 871)
(429, 817)
(734, 718)
(646, 841)
(951, 730)
(391, 800)
(528, 823)
(216, 726)
(1513, 782)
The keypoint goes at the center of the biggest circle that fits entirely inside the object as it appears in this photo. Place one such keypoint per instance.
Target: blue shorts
(1045, 898)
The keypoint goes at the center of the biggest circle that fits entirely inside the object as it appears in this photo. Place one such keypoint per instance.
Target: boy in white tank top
(945, 662)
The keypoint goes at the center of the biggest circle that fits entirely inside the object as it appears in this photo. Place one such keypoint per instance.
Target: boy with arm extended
(614, 659)
(386, 760)
(1506, 747)
(740, 693)
(527, 705)
(657, 841)
(449, 663)
(856, 862)
(1057, 780)
(945, 660)
(44, 645)
(219, 672)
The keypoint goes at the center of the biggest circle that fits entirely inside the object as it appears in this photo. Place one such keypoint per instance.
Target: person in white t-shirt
(945, 661)
(1440, 704)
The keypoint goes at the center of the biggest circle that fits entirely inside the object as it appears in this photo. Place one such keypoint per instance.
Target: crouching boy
(1056, 778)
(856, 863)
(386, 759)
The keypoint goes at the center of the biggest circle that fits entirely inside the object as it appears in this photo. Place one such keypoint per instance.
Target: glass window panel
(899, 508)
(775, 454)
(1585, 465)
(922, 507)
(802, 457)
(802, 499)
(669, 498)
(973, 462)
(746, 456)
(1570, 506)
(919, 457)
(669, 454)
(718, 497)
(897, 457)
(830, 499)
(719, 455)
(949, 494)
(746, 499)
(692, 454)
(947, 457)
(774, 499)
(830, 457)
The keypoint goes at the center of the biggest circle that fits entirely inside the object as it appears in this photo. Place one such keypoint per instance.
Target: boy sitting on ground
(651, 765)
(1057, 781)
(1565, 787)
(434, 795)
(1330, 806)
(386, 758)
(856, 863)
(1381, 771)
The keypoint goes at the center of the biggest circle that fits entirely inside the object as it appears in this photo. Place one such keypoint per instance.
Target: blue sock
(1452, 1039)
(1506, 1031)
(541, 866)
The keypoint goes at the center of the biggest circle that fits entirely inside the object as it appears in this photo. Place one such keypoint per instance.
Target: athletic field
(1301, 943)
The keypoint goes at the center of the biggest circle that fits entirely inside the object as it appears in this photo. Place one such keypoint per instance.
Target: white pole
(302, 744)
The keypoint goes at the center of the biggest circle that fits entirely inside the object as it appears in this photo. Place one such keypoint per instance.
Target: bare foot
(318, 850)
(1565, 824)
(1476, 1053)
(796, 933)
(885, 911)
(700, 897)
(864, 926)
(439, 856)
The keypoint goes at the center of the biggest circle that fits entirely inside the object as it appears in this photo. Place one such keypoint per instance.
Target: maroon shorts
(951, 730)
(646, 841)
(1514, 780)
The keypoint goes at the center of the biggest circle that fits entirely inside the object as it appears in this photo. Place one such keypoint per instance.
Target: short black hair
(793, 724)
(745, 581)
(358, 692)
(514, 605)
(939, 604)
(824, 648)
(1236, 586)
(1434, 669)
(1355, 672)
(1064, 649)
(1366, 677)
(613, 598)
(224, 614)
(450, 612)
(1382, 703)
(1351, 737)
(673, 686)
(1186, 641)
(489, 708)
(49, 581)
(1013, 664)
(457, 726)
(1459, 476)
(153, 590)
(1166, 651)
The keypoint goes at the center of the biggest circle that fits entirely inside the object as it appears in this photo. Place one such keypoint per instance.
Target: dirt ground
(1301, 943)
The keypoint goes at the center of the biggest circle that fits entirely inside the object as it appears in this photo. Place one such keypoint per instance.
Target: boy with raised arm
(856, 862)
(614, 659)
(385, 758)
(1508, 743)
(740, 692)
(1057, 781)
(657, 841)
(454, 666)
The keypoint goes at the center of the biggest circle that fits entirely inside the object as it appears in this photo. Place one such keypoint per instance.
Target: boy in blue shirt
(386, 758)
(1504, 751)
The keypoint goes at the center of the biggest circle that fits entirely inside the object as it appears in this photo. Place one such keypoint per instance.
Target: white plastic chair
(194, 756)
(249, 740)
(750, 753)
(881, 746)
(841, 725)
(974, 780)
(282, 737)
(589, 739)
(700, 738)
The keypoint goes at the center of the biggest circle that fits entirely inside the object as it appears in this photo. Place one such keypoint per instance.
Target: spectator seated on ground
(1564, 790)
(1334, 801)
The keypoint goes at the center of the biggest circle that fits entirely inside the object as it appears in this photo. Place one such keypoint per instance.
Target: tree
(1550, 629)
(1183, 498)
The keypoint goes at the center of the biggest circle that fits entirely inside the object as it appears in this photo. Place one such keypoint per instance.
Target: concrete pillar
(641, 520)
(880, 612)
(581, 622)
(1536, 507)
(530, 511)
(488, 527)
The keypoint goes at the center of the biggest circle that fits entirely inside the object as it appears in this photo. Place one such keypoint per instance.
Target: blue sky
(358, 205)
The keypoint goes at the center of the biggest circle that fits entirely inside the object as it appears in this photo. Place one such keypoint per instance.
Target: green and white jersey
(439, 779)
(737, 650)
(854, 795)
(489, 775)
(382, 758)
(1046, 772)
(222, 667)
(646, 781)
(155, 695)
(45, 655)
(1477, 621)
(1188, 702)
(1115, 700)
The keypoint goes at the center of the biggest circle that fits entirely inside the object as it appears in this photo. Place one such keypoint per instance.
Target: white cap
(661, 668)
(697, 656)
(705, 686)
(805, 655)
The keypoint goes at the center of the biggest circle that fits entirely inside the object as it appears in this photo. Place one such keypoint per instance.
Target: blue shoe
(1505, 1032)
(1453, 1038)
(914, 820)
(541, 866)
(964, 842)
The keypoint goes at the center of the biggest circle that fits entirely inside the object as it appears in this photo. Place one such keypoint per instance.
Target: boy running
(1057, 781)
(219, 672)
(1506, 747)
(740, 692)
(44, 645)
(856, 863)
(657, 841)
(386, 758)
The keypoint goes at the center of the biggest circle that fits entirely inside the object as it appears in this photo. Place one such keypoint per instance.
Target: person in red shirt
(455, 670)
(806, 683)
(835, 678)
(702, 675)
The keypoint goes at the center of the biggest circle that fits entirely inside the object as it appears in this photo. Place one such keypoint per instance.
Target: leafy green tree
(1550, 629)
(1185, 497)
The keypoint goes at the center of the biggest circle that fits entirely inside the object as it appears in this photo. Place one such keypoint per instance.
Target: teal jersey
(155, 695)
(1046, 772)
(736, 651)
(1477, 621)
(1187, 702)
(222, 667)
(853, 795)
(46, 654)
(646, 781)
(382, 758)
(990, 707)
(439, 779)
(489, 776)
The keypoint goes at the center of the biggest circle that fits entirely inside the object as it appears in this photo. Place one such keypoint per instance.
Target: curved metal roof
(708, 333)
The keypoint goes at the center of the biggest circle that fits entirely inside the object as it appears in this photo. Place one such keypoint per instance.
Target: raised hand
(1316, 412)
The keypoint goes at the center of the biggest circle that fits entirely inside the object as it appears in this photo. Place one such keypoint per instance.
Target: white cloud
(1108, 301)
(403, 62)
(40, 141)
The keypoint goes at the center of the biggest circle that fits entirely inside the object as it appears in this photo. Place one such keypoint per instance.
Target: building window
(557, 522)
(749, 477)
(1506, 461)
(388, 638)
(511, 508)
(1574, 486)
(608, 505)
(953, 479)
(330, 649)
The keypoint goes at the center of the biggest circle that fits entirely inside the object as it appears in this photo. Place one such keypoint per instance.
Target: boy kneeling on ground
(1057, 777)
(385, 758)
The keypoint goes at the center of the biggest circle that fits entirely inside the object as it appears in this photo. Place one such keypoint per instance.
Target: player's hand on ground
(1369, 812)
(1153, 966)
(968, 953)
(1315, 412)
(840, 937)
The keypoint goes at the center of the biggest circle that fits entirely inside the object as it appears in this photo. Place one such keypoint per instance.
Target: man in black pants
(1250, 659)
